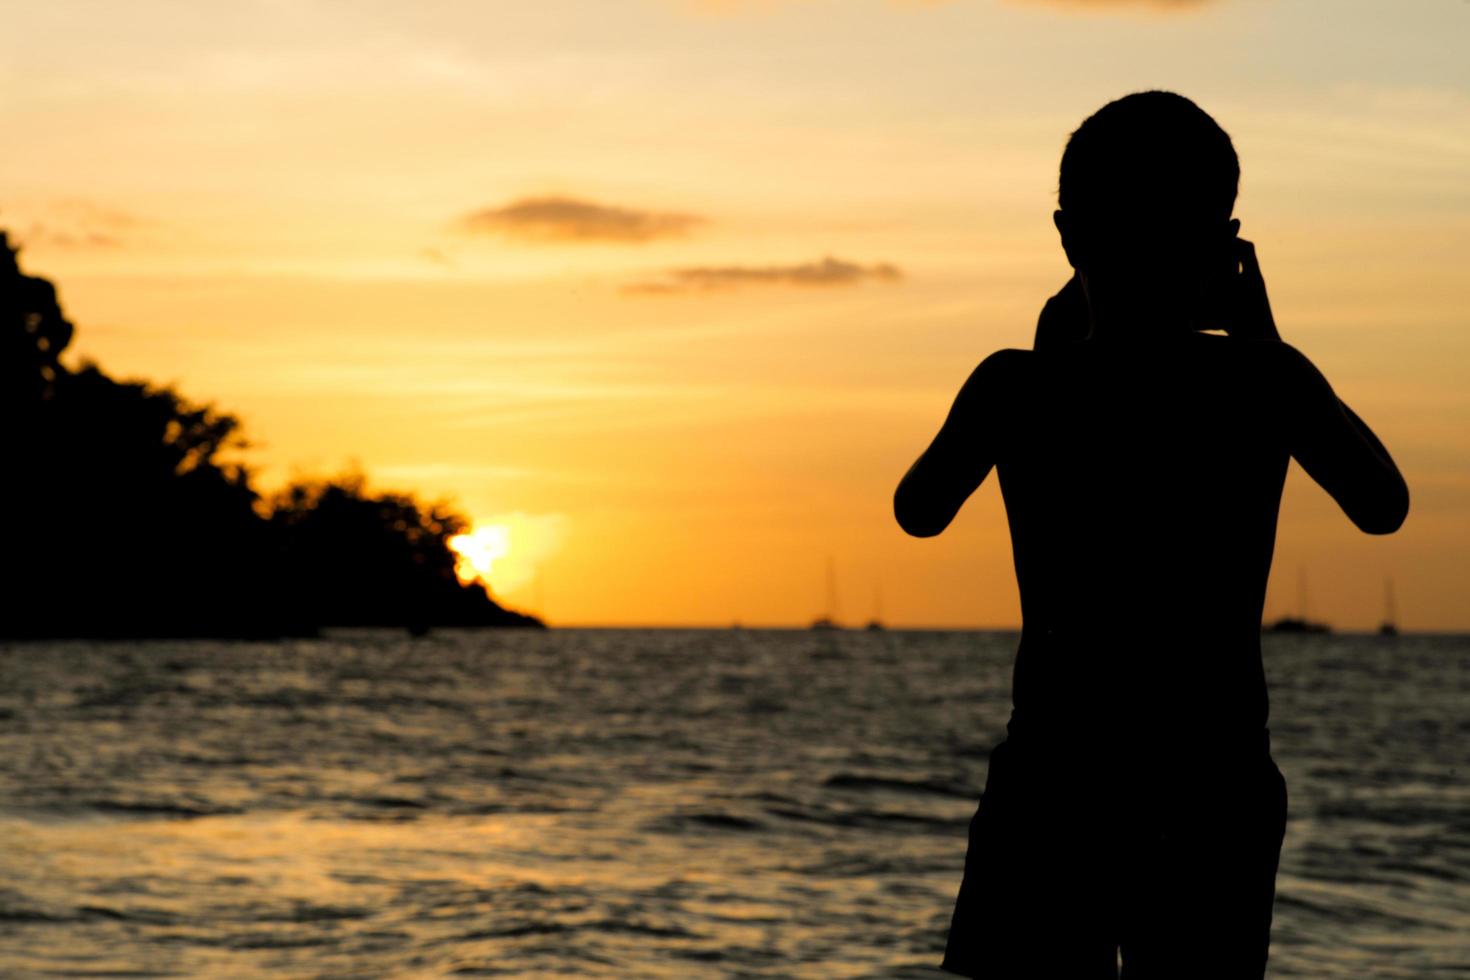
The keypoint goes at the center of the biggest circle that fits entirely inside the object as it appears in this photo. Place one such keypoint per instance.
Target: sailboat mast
(831, 589)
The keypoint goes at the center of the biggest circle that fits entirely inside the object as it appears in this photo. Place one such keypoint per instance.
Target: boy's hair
(1147, 156)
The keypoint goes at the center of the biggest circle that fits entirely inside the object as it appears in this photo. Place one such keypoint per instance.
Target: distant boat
(1295, 624)
(875, 624)
(828, 620)
(1389, 626)
(1300, 623)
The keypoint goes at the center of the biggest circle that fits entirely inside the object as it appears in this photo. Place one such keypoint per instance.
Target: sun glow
(479, 550)
(506, 551)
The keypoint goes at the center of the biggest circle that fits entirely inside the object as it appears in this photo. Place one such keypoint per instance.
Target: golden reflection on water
(254, 886)
(266, 894)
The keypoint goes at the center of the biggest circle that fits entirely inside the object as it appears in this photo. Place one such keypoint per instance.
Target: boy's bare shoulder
(998, 373)
(1007, 362)
(1270, 359)
(1275, 360)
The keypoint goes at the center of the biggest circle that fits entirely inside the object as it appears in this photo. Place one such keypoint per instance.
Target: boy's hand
(1247, 308)
(1065, 319)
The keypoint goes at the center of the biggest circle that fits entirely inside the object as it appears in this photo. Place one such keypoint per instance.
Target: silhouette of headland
(125, 515)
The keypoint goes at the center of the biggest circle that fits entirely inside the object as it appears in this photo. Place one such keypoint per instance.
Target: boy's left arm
(961, 455)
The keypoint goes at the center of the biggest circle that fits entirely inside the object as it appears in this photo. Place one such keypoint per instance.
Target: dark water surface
(637, 804)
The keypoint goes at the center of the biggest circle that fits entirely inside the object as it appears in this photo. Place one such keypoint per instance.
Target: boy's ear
(1070, 245)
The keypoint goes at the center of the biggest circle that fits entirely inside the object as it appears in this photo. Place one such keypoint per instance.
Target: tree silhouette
(33, 333)
(125, 514)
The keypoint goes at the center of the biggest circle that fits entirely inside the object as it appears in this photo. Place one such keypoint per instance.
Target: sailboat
(1298, 623)
(1389, 626)
(876, 623)
(828, 619)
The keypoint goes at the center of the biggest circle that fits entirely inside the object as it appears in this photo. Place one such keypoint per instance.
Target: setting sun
(506, 551)
(479, 550)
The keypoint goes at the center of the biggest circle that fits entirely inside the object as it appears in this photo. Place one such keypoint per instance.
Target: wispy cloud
(566, 219)
(829, 271)
(93, 213)
(731, 7)
(77, 223)
(718, 7)
(1106, 5)
(38, 235)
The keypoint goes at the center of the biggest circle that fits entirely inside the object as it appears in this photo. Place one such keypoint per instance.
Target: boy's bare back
(1134, 806)
(1141, 484)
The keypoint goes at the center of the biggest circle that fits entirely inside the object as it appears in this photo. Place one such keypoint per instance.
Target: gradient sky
(676, 290)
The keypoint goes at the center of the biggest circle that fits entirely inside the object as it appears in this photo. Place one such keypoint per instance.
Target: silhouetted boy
(1134, 805)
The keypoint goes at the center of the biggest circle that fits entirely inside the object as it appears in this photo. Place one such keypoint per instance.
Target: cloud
(732, 7)
(38, 235)
(76, 223)
(566, 219)
(96, 215)
(829, 271)
(1106, 5)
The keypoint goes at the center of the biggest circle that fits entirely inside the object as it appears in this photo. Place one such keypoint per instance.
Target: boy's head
(1147, 186)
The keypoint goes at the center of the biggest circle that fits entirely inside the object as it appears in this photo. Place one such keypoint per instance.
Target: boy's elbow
(915, 519)
(919, 529)
(1390, 514)
(1381, 523)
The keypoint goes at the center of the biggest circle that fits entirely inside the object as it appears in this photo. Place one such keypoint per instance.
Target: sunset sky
(672, 292)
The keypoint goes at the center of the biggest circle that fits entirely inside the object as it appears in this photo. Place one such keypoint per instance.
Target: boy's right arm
(962, 454)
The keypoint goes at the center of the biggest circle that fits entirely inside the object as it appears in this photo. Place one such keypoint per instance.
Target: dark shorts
(1074, 859)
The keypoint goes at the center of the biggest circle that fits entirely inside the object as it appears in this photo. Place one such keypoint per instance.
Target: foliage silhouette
(126, 514)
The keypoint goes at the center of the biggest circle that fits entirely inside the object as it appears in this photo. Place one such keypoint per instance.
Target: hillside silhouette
(125, 514)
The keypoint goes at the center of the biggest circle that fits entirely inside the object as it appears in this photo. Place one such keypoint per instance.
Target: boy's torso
(1142, 485)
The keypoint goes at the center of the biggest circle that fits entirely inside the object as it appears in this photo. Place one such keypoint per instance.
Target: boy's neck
(1136, 315)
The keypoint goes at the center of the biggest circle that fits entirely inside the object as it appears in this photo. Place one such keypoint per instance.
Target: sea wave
(636, 803)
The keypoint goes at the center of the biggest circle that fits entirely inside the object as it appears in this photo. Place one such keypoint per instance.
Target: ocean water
(637, 804)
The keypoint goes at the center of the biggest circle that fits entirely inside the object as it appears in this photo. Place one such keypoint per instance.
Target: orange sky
(675, 291)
